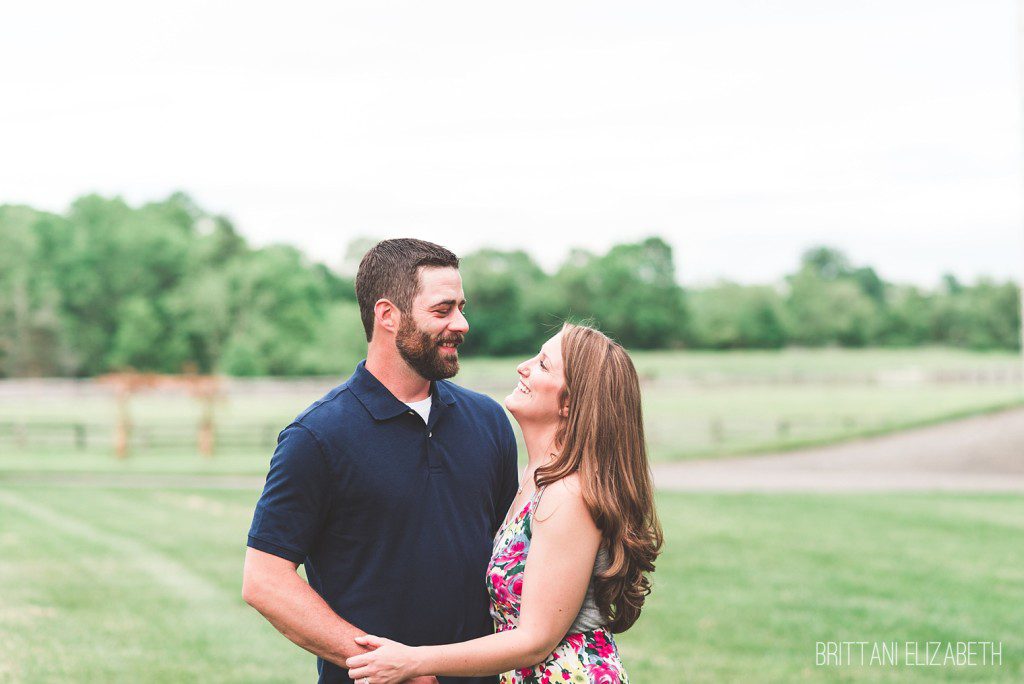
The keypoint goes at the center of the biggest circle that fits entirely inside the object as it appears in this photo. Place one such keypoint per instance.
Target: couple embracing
(428, 558)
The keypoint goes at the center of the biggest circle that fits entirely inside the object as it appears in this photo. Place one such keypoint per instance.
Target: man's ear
(387, 315)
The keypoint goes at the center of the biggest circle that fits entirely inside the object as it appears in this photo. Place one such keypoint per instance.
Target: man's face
(431, 331)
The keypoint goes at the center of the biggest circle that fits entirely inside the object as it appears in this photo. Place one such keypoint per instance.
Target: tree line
(168, 287)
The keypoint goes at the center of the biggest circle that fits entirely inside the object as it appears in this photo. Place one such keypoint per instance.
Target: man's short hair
(390, 270)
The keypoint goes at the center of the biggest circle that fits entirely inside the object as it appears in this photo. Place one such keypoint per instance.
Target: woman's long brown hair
(603, 440)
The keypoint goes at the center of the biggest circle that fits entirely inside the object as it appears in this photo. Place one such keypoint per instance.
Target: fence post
(717, 430)
(79, 436)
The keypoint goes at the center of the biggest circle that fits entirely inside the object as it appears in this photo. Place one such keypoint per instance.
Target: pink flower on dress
(514, 560)
(605, 649)
(518, 547)
(602, 674)
(515, 586)
(500, 591)
(576, 641)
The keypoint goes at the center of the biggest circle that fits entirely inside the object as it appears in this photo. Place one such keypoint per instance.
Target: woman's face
(541, 383)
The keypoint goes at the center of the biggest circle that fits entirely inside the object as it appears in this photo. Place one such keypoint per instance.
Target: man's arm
(288, 521)
(272, 586)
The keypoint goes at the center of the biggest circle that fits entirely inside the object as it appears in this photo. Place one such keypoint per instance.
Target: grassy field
(697, 404)
(126, 585)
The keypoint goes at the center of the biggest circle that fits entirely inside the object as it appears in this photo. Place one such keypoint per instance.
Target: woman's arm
(558, 570)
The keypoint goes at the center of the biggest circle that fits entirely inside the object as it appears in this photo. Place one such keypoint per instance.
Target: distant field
(103, 585)
(697, 404)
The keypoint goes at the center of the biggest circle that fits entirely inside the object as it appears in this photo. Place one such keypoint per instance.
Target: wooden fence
(81, 436)
(71, 436)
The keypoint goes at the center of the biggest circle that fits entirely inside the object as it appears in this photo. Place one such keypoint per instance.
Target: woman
(569, 562)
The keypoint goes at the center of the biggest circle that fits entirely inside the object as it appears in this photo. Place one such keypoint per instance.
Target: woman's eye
(543, 366)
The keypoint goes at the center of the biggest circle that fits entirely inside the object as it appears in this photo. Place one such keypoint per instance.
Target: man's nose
(460, 324)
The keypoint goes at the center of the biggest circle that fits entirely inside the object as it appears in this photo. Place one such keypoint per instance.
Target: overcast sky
(742, 132)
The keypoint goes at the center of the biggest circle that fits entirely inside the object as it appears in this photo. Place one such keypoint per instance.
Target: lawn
(126, 585)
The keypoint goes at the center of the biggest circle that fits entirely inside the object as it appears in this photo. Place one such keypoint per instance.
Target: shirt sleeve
(510, 477)
(293, 507)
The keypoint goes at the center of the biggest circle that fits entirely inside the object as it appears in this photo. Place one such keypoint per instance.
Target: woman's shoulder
(564, 490)
(563, 499)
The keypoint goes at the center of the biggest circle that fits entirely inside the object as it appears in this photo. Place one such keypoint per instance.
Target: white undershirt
(422, 407)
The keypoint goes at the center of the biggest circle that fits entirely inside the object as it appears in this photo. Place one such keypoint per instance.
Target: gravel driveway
(983, 453)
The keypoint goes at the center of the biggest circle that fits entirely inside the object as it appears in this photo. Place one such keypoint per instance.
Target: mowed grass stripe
(87, 604)
(749, 582)
(161, 568)
(205, 531)
(745, 586)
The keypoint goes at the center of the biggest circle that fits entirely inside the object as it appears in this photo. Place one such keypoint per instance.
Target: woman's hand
(388, 663)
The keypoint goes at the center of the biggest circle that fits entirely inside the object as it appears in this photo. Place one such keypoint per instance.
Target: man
(390, 488)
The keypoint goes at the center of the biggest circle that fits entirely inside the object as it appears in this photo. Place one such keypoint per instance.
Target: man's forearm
(299, 613)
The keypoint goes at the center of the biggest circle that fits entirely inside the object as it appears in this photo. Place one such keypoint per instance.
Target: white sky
(742, 132)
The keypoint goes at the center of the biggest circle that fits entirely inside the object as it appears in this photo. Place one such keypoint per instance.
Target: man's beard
(423, 352)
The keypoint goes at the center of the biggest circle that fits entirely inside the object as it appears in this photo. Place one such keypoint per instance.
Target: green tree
(32, 339)
(338, 343)
(983, 316)
(907, 317)
(114, 254)
(829, 302)
(821, 312)
(505, 302)
(631, 292)
(733, 316)
(277, 305)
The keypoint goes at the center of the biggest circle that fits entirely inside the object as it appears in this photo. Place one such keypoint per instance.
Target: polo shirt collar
(378, 399)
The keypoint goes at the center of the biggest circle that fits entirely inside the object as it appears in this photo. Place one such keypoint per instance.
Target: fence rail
(1010, 373)
(712, 432)
(82, 436)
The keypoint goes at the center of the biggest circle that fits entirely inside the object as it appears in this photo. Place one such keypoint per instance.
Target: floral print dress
(580, 658)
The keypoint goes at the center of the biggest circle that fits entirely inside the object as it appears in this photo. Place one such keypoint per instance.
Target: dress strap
(535, 499)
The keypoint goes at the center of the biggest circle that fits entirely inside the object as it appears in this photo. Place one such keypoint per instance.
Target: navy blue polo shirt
(393, 519)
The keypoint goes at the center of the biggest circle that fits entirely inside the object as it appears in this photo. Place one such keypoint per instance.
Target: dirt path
(984, 453)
